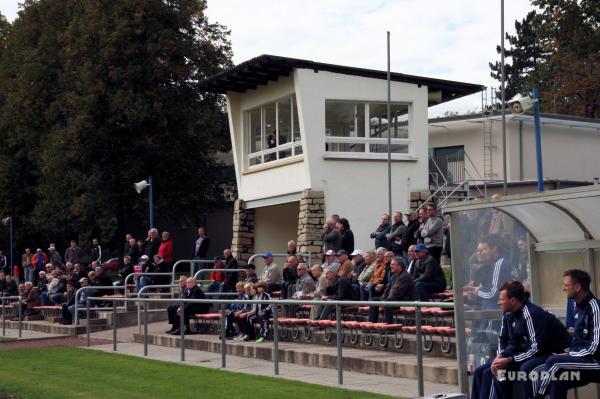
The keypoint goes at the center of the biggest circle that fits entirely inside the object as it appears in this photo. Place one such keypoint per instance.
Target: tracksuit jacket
(531, 332)
(586, 338)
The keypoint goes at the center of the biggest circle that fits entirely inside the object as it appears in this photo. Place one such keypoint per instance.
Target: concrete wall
(275, 226)
(357, 189)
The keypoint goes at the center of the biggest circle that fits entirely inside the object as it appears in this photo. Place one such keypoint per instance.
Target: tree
(557, 47)
(95, 95)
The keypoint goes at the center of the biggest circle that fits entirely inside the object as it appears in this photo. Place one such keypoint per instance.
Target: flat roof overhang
(266, 68)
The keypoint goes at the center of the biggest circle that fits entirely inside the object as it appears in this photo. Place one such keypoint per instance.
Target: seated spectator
(68, 300)
(401, 287)
(216, 275)
(291, 247)
(339, 289)
(259, 312)
(144, 266)
(364, 276)
(2, 282)
(430, 276)
(160, 266)
(305, 284)
(358, 264)
(31, 299)
(231, 278)
(272, 275)
(102, 279)
(51, 289)
(378, 276)
(321, 284)
(290, 276)
(68, 309)
(412, 261)
(56, 296)
(172, 308)
(234, 311)
(346, 267)
(42, 281)
(251, 277)
(379, 233)
(11, 287)
(189, 309)
(125, 270)
(79, 271)
(330, 261)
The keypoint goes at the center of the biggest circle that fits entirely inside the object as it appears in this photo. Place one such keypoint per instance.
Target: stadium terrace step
(436, 369)
(53, 328)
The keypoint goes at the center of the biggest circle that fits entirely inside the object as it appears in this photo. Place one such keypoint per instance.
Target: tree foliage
(98, 94)
(557, 47)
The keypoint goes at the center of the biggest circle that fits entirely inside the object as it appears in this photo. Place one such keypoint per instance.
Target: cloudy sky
(452, 39)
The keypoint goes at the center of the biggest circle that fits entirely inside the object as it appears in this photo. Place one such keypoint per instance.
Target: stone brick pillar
(242, 242)
(310, 222)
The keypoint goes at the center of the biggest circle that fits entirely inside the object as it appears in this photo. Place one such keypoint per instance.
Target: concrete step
(435, 369)
(54, 328)
(130, 318)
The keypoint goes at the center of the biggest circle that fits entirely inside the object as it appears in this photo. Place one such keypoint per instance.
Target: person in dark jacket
(125, 270)
(395, 235)
(408, 238)
(152, 243)
(96, 251)
(339, 289)
(332, 238)
(584, 353)
(528, 336)
(189, 309)
(379, 234)
(231, 278)
(347, 235)
(68, 300)
(201, 246)
(172, 308)
(430, 276)
(401, 287)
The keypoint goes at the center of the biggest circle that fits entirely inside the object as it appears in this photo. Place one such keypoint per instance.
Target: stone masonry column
(242, 242)
(310, 222)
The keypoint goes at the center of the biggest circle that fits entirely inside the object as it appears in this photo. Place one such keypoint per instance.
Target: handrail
(251, 260)
(91, 288)
(132, 275)
(19, 299)
(218, 270)
(191, 262)
(338, 307)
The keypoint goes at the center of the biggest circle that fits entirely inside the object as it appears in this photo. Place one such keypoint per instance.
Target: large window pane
(345, 147)
(339, 119)
(378, 123)
(296, 123)
(270, 130)
(394, 148)
(255, 135)
(284, 120)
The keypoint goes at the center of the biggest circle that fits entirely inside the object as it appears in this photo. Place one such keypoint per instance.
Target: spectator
(144, 266)
(330, 260)
(305, 284)
(73, 253)
(521, 271)
(126, 247)
(378, 276)
(55, 293)
(79, 271)
(291, 247)
(172, 308)
(201, 248)
(141, 248)
(68, 300)
(51, 288)
(27, 264)
(41, 282)
(165, 250)
(68, 309)
(412, 259)
(321, 283)
(383, 229)
(346, 267)
(189, 309)
(290, 276)
(335, 217)
(2, 282)
(101, 280)
(364, 277)
(432, 233)
(430, 277)
(234, 311)
(216, 275)
(160, 266)
(31, 299)
(272, 274)
(54, 258)
(260, 312)
(401, 287)
(408, 238)
(39, 260)
(347, 235)
(339, 289)
(152, 243)
(230, 278)
(96, 252)
(332, 238)
(4, 266)
(395, 235)
(11, 287)
(124, 270)
(358, 265)
(251, 277)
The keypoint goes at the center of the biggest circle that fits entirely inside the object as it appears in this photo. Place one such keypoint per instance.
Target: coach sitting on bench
(189, 309)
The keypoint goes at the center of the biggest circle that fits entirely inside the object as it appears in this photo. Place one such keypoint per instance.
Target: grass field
(5, 339)
(60, 373)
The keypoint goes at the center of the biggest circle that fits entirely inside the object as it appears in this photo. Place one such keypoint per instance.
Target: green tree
(97, 94)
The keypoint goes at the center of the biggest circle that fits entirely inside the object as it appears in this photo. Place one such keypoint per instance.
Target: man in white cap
(330, 261)
(359, 265)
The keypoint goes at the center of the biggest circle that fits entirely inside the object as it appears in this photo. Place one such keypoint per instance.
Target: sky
(445, 39)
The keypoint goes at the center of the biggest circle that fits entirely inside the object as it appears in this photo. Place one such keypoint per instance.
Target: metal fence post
(3, 319)
(20, 315)
(419, 352)
(139, 318)
(338, 330)
(145, 328)
(223, 338)
(275, 341)
(182, 329)
(87, 321)
(114, 321)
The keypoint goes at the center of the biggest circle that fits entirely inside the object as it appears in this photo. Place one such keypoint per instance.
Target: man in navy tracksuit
(527, 337)
(581, 364)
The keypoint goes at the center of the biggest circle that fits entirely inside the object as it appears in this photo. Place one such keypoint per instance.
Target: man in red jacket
(165, 251)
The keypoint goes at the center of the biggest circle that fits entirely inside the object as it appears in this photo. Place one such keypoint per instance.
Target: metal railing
(131, 276)
(101, 288)
(19, 299)
(199, 272)
(305, 255)
(191, 262)
(338, 312)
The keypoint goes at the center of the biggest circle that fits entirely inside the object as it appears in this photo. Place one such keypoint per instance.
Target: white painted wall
(357, 189)
(274, 226)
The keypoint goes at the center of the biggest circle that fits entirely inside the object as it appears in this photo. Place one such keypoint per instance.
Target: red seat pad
(208, 316)
(349, 309)
(298, 322)
(351, 324)
(409, 329)
(363, 309)
(407, 311)
(429, 329)
(389, 327)
(304, 307)
(366, 325)
(447, 331)
(276, 294)
(47, 307)
(313, 323)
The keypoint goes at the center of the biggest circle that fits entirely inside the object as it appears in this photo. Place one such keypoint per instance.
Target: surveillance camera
(521, 105)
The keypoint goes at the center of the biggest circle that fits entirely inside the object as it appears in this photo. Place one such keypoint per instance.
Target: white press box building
(310, 139)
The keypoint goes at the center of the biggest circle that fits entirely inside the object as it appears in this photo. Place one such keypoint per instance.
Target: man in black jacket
(400, 288)
(339, 289)
(189, 309)
(231, 278)
(152, 243)
(201, 249)
(430, 276)
(408, 238)
(172, 309)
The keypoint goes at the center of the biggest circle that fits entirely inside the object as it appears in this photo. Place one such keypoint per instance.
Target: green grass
(79, 373)
(5, 339)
